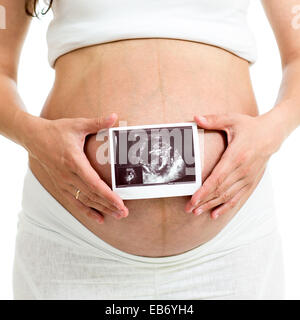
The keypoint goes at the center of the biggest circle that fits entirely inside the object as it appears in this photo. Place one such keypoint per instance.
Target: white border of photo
(160, 190)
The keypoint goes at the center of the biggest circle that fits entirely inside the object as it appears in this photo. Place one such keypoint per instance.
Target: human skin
(184, 79)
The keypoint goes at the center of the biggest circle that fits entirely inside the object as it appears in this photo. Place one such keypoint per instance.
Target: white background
(35, 80)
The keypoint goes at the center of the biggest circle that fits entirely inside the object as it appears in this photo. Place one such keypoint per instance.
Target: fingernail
(198, 211)
(125, 212)
(193, 207)
(120, 208)
(216, 216)
(203, 119)
(122, 213)
(117, 215)
(118, 205)
(100, 221)
(197, 203)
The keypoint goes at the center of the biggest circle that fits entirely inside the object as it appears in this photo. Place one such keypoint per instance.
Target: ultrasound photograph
(153, 156)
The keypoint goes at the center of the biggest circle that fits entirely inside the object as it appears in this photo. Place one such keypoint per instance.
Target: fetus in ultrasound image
(153, 156)
(130, 175)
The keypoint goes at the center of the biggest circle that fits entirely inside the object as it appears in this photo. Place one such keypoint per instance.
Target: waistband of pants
(43, 214)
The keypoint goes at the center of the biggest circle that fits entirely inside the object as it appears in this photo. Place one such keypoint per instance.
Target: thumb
(214, 121)
(96, 124)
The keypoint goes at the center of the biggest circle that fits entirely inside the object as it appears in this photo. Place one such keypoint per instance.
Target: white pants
(56, 257)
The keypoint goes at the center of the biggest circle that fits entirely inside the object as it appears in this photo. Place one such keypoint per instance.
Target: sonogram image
(153, 156)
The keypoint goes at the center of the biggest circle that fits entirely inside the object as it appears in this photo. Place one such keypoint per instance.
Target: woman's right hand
(58, 145)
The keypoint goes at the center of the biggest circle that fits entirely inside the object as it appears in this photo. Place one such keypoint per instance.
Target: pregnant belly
(150, 81)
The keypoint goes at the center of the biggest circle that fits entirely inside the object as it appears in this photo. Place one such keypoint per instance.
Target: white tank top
(79, 23)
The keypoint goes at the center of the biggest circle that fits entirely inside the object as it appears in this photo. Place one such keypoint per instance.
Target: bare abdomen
(150, 81)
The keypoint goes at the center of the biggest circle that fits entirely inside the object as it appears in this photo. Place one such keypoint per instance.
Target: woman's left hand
(251, 142)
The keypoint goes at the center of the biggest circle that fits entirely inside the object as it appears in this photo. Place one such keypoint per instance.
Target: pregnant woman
(140, 63)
